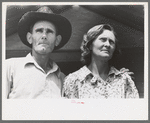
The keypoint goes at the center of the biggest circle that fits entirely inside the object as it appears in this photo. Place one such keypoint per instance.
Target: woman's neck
(99, 68)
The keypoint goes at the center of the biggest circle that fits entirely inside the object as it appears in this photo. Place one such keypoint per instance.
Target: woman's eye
(111, 42)
(103, 39)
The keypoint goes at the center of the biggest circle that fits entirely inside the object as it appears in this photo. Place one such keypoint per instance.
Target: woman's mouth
(106, 51)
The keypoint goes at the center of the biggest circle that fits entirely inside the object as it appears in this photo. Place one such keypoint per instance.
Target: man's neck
(42, 60)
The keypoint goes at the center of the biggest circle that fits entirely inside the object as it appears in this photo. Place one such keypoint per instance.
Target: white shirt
(26, 79)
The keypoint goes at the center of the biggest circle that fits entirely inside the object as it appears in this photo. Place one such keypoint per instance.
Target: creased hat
(44, 13)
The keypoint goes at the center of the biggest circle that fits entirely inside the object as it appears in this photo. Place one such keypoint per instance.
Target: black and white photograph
(67, 61)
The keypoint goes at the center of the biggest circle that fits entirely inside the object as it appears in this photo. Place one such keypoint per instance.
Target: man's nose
(44, 36)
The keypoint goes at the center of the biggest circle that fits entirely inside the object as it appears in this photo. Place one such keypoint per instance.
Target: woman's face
(104, 45)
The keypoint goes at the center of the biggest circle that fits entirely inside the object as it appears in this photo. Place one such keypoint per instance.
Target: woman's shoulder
(79, 75)
(131, 90)
(126, 73)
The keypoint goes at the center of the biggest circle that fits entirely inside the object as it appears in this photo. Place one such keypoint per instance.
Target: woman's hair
(89, 37)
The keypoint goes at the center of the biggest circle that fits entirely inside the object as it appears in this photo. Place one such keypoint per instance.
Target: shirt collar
(30, 60)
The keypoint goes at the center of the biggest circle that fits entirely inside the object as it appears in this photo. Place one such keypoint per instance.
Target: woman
(98, 78)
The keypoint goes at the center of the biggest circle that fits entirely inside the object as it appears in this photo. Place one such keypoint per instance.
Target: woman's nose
(107, 43)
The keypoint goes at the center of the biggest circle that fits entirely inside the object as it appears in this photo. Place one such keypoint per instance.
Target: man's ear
(58, 40)
(29, 37)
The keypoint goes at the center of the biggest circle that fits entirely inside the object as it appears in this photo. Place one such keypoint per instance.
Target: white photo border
(60, 109)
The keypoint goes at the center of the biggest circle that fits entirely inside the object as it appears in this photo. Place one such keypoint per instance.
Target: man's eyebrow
(37, 29)
(48, 29)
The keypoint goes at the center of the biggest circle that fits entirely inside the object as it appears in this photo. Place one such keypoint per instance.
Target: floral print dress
(83, 84)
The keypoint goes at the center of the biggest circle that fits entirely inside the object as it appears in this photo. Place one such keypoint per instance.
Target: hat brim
(63, 25)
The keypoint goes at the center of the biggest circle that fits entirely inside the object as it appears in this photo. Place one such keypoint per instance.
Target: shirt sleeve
(9, 77)
(130, 88)
(70, 87)
(62, 77)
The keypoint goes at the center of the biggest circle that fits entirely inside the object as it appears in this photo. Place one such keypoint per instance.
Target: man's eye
(39, 30)
(50, 31)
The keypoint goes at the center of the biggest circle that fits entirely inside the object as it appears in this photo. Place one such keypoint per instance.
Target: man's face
(43, 37)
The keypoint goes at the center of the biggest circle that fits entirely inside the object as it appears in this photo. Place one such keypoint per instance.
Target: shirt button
(105, 84)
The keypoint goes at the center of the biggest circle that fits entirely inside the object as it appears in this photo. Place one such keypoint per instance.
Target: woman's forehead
(107, 33)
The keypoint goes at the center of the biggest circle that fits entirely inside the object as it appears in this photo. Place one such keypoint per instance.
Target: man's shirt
(26, 79)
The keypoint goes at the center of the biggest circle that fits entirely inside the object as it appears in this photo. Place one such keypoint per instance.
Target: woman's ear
(29, 37)
(58, 40)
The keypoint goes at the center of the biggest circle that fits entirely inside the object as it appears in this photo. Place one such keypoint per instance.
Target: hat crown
(45, 9)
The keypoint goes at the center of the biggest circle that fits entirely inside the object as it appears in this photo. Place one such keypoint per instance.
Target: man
(36, 75)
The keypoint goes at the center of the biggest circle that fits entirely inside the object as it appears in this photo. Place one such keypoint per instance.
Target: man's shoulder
(15, 60)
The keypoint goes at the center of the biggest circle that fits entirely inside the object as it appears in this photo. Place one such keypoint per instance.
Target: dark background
(127, 20)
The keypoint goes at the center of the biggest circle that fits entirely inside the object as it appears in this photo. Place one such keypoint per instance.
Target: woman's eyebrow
(102, 38)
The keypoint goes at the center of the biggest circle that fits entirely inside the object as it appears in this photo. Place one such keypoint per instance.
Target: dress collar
(84, 71)
(113, 70)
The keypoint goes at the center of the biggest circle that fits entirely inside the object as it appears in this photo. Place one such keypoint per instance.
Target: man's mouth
(43, 44)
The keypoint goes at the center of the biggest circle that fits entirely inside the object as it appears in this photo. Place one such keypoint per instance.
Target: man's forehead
(44, 24)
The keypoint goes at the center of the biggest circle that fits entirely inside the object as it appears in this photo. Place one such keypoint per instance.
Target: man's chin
(44, 52)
